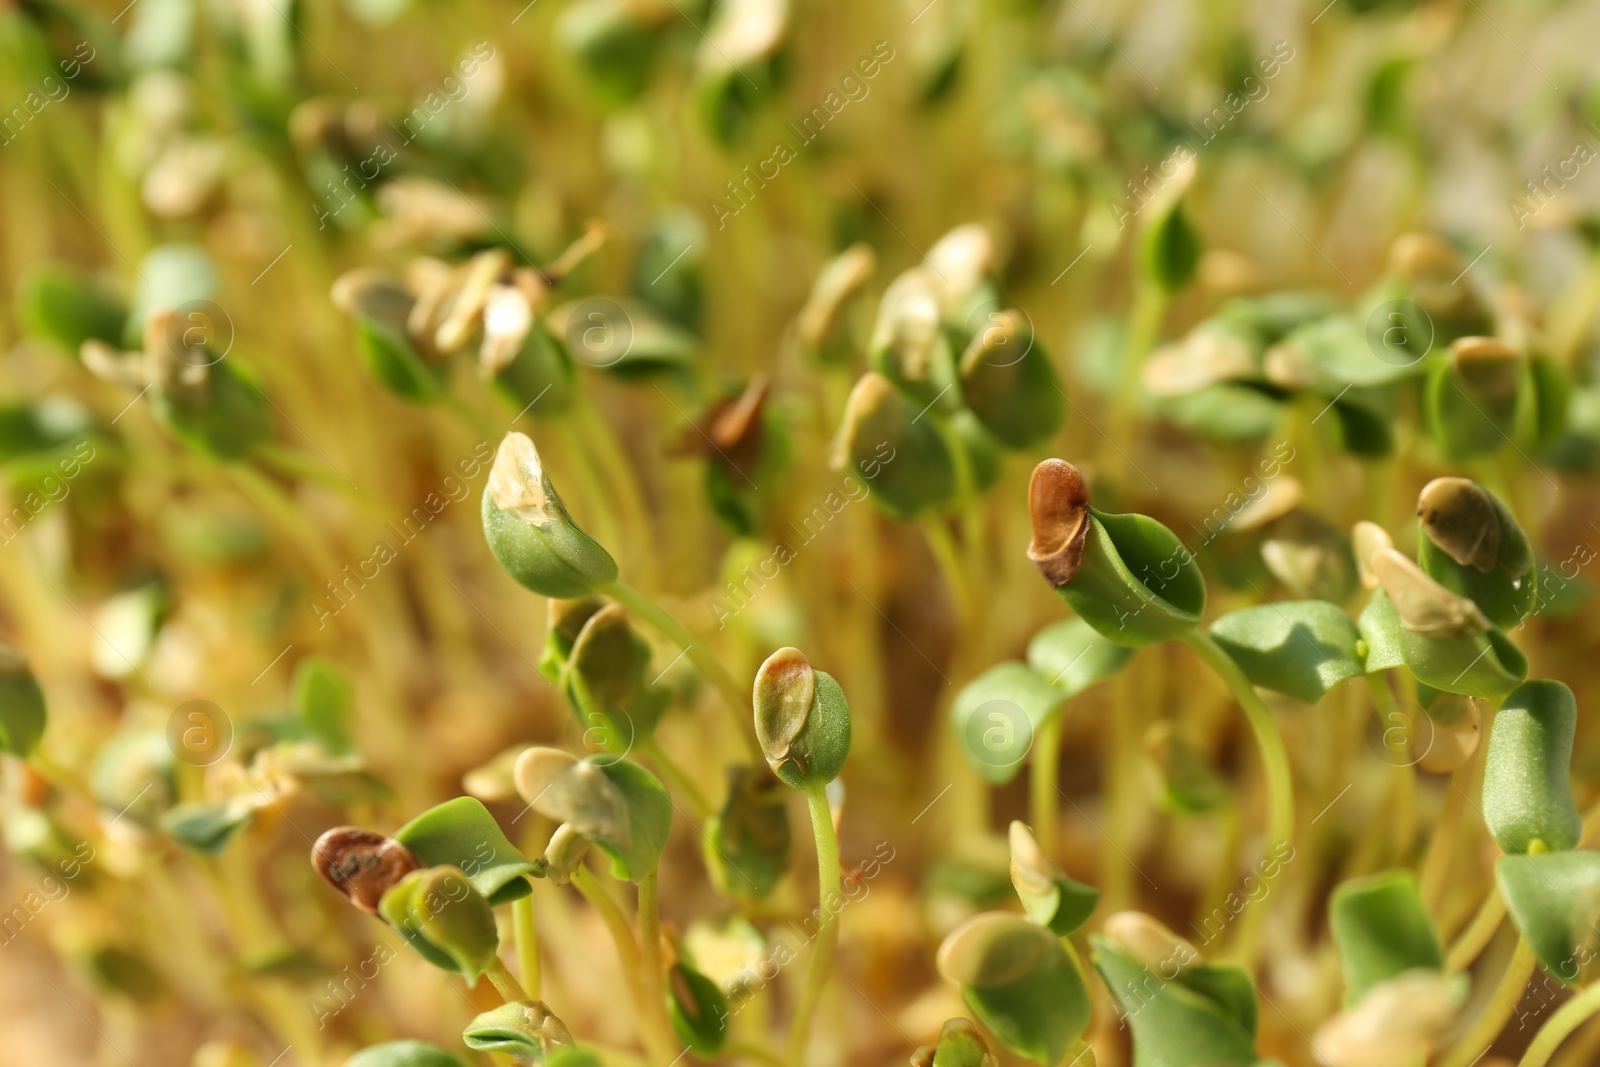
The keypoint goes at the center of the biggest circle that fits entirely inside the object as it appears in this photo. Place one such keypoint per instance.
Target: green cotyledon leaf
(1300, 648)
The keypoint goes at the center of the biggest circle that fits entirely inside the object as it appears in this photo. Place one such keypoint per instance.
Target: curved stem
(1275, 762)
(948, 560)
(1044, 802)
(656, 1041)
(828, 903)
(1497, 1012)
(527, 944)
(736, 700)
(1573, 1014)
(1478, 933)
(1274, 757)
(1441, 846)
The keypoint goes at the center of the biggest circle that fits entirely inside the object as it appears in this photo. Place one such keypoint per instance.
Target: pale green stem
(1275, 763)
(1496, 1013)
(1478, 933)
(1144, 325)
(527, 937)
(650, 938)
(1404, 813)
(656, 1041)
(504, 981)
(1571, 1015)
(1274, 757)
(827, 940)
(1044, 800)
(946, 558)
(737, 701)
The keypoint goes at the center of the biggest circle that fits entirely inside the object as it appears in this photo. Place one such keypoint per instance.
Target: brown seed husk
(1458, 516)
(1058, 502)
(362, 864)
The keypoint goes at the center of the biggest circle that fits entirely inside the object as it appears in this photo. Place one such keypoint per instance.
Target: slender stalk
(737, 701)
(1404, 822)
(1441, 846)
(948, 560)
(527, 939)
(1275, 762)
(1476, 937)
(652, 1028)
(1497, 1012)
(1571, 1015)
(827, 940)
(505, 983)
(1274, 757)
(1044, 801)
(650, 938)
(677, 777)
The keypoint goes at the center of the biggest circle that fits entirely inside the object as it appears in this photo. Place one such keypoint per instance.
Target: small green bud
(820, 324)
(22, 709)
(1169, 249)
(698, 1010)
(361, 864)
(738, 64)
(1050, 898)
(382, 305)
(908, 345)
(901, 458)
(615, 43)
(530, 532)
(403, 1054)
(436, 908)
(1527, 800)
(802, 720)
(523, 1029)
(1479, 398)
(207, 401)
(1019, 982)
(562, 855)
(1474, 547)
(959, 1045)
(1008, 383)
(747, 843)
